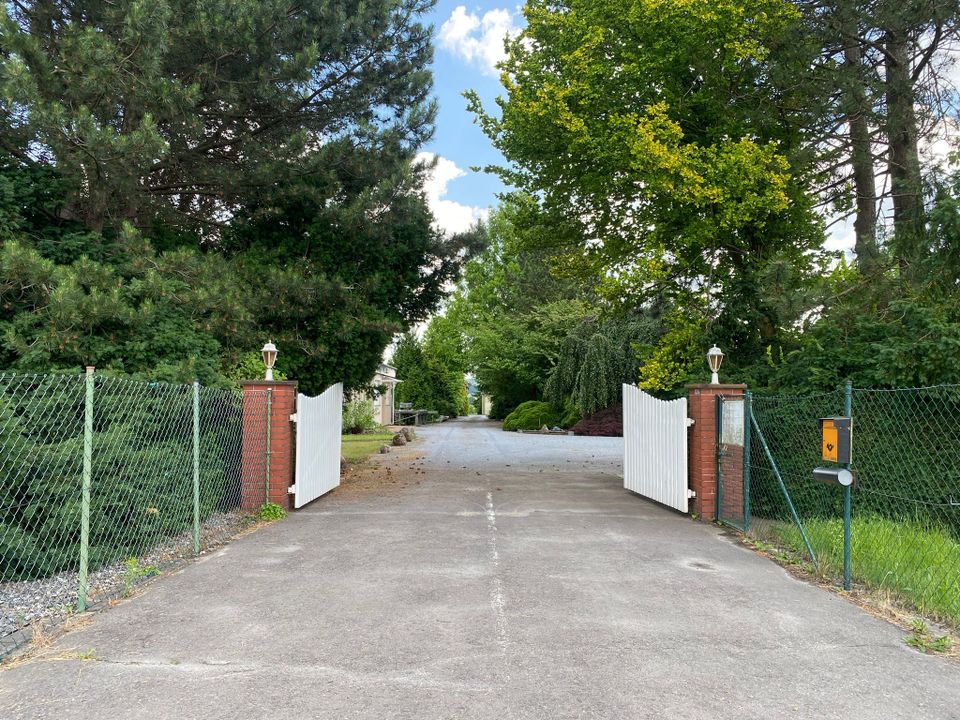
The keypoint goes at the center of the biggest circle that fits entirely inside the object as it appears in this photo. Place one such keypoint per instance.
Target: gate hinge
(293, 417)
(292, 490)
(691, 493)
(690, 422)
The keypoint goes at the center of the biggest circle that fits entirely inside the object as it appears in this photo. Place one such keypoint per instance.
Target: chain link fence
(105, 481)
(905, 521)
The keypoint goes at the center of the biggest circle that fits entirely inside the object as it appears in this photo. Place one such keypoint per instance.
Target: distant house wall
(383, 402)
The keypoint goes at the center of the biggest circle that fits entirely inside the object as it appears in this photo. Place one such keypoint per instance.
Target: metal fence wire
(105, 481)
(905, 520)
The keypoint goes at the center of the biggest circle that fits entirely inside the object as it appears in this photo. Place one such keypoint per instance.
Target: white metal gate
(655, 447)
(319, 426)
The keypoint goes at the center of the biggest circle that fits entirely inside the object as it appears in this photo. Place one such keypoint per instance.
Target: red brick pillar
(281, 398)
(702, 408)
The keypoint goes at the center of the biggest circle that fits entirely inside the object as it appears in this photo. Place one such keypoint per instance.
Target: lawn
(917, 563)
(355, 448)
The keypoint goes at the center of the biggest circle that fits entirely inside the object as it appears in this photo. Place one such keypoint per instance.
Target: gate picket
(319, 426)
(655, 447)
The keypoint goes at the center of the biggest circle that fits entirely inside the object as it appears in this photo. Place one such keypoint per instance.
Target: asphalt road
(500, 576)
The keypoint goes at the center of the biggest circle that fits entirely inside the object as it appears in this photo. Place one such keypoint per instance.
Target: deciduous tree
(656, 142)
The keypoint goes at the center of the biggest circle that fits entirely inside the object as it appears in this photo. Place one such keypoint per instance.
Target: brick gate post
(702, 446)
(281, 398)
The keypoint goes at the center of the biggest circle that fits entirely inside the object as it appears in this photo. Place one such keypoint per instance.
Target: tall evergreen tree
(185, 111)
(180, 181)
(877, 89)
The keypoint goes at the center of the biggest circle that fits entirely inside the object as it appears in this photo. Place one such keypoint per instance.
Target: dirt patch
(41, 647)
(398, 469)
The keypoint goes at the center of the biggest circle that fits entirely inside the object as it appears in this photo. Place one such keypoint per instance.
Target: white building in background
(486, 404)
(384, 403)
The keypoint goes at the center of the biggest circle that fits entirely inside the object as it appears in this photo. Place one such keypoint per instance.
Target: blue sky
(468, 41)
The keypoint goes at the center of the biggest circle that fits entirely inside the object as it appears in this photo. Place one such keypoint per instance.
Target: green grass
(924, 641)
(915, 563)
(355, 448)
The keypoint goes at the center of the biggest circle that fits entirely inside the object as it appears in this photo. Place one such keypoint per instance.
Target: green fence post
(783, 489)
(747, 412)
(266, 487)
(847, 570)
(85, 491)
(718, 449)
(196, 466)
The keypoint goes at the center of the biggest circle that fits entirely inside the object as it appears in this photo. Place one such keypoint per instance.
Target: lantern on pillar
(269, 353)
(714, 358)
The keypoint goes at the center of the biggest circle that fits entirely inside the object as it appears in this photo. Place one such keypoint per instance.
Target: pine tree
(185, 111)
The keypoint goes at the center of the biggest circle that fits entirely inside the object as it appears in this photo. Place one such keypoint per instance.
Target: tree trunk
(856, 109)
(903, 154)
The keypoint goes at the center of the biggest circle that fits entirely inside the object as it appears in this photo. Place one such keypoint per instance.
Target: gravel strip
(53, 598)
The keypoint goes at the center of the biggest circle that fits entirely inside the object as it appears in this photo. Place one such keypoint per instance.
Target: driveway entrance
(497, 576)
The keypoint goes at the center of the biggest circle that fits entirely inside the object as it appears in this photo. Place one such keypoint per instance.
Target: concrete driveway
(500, 576)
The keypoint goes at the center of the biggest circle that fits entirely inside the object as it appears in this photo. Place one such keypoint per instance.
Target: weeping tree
(601, 375)
(595, 361)
(563, 378)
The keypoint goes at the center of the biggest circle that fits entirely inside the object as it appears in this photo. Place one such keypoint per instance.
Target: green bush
(532, 415)
(500, 408)
(142, 484)
(270, 512)
(905, 453)
(906, 523)
(358, 416)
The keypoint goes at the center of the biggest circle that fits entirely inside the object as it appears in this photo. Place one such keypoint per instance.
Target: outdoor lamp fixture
(714, 358)
(269, 354)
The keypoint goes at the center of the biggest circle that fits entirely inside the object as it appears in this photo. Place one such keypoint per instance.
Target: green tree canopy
(341, 263)
(512, 312)
(431, 370)
(181, 181)
(663, 169)
(185, 111)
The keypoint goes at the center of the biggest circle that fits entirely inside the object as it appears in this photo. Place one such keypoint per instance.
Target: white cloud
(478, 40)
(842, 236)
(451, 216)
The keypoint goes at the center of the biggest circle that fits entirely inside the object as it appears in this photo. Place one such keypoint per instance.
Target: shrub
(607, 423)
(358, 416)
(500, 408)
(270, 511)
(142, 486)
(532, 415)
(250, 367)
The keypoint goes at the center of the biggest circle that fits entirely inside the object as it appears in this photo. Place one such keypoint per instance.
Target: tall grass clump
(912, 560)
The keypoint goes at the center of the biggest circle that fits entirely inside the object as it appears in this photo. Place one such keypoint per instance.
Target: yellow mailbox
(837, 439)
